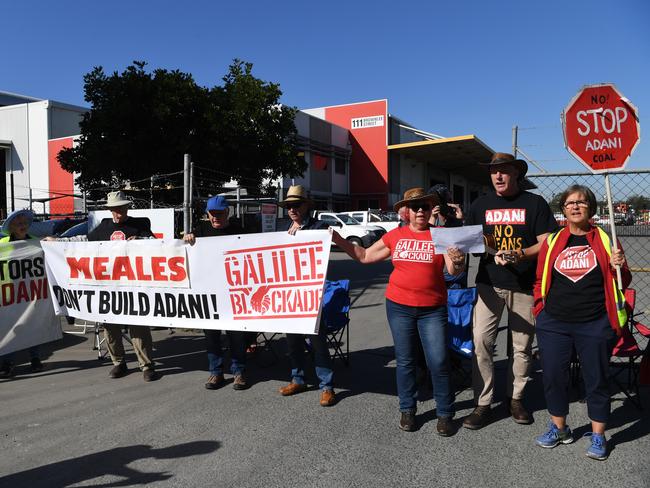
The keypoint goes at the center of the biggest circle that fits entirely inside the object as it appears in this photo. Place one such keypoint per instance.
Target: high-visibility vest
(607, 243)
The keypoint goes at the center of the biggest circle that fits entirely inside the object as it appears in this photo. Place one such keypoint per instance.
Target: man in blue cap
(218, 211)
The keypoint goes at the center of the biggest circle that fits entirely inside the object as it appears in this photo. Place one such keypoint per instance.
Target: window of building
(339, 166)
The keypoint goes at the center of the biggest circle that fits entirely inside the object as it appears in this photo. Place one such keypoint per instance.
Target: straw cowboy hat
(295, 194)
(117, 199)
(505, 158)
(416, 195)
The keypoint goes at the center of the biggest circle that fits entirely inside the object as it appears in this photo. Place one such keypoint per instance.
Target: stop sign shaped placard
(601, 128)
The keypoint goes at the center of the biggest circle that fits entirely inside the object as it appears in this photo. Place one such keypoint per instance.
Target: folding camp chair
(263, 352)
(335, 317)
(628, 354)
(460, 308)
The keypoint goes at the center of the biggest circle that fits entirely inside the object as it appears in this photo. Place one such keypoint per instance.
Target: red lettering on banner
(505, 216)
(125, 268)
(99, 268)
(275, 281)
(177, 269)
(81, 264)
(23, 291)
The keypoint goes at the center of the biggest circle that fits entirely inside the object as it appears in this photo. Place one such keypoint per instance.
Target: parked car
(370, 217)
(351, 229)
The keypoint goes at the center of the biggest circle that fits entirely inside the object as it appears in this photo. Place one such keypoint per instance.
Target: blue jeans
(215, 354)
(322, 360)
(429, 325)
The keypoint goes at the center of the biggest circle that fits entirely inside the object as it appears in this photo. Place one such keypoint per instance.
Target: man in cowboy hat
(519, 221)
(118, 228)
(298, 205)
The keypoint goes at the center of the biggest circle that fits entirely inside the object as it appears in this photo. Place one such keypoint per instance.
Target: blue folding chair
(335, 317)
(460, 308)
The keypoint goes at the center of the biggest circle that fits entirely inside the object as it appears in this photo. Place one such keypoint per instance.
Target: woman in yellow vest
(15, 228)
(578, 305)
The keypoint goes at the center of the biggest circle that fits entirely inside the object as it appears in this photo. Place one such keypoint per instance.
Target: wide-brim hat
(117, 199)
(505, 158)
(417, 195)
(296, 194)
(15, 214)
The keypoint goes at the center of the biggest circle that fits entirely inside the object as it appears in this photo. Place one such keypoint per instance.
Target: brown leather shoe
(150, 375)
(215, 381)
(407, 422)
(292, 389)
(327, 398)
(239, 382)
(519, 412)
(118, 371)
(445, 426)
(479, 418)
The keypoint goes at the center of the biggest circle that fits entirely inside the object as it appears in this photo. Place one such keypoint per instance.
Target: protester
(16, 228)
(416, 304)
(218, 224)
(122, 227)
(298, 205)
(519, 222)
(578, 305)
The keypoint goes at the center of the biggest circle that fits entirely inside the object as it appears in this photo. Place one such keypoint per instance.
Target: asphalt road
(72, 426)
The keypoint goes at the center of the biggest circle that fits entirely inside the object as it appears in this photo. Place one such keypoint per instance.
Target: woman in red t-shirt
(416, 303)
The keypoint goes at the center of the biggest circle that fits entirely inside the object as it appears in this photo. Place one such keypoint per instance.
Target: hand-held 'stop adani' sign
(601, 128)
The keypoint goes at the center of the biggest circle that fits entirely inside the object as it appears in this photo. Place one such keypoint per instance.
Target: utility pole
(186, 194)
(515, 129)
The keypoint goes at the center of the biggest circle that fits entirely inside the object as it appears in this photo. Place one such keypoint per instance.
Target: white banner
(257, 282)
(26, 315)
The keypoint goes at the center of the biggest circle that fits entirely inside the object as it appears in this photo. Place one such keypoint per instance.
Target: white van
(351, 229)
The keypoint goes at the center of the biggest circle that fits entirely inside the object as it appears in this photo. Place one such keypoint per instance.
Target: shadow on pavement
(112, 462)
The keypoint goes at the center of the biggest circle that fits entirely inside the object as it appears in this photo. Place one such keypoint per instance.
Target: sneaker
(7, 370)
(445, 426)
(479, 418)
(407, 422)
(215, 381)
(598, 448)
(118, 371)
(239, 382)
(37, 365)
(150, 375)
(554, 436)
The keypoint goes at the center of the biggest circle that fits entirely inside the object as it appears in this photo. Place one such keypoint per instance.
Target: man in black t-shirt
(217, 210)
(121, 227)
(519, 222)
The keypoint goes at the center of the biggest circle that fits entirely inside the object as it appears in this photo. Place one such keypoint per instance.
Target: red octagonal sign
(601, 128)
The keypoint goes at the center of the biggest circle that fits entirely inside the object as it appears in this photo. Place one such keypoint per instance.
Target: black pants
(593, 342)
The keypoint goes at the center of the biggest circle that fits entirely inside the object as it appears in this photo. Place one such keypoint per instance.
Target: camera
(444, 196)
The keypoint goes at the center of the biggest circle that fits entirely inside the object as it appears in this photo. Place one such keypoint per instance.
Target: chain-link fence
(631, 197)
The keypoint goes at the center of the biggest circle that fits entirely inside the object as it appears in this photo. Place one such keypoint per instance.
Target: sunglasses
(419, 205)
(294, 205)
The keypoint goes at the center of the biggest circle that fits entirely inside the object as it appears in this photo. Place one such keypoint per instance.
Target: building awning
(5, 144)
(459, 155)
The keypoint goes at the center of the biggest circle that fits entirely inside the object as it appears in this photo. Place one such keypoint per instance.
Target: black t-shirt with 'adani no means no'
(515, 222)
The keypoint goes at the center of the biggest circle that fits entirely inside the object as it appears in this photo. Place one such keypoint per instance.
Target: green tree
(639, 202)
(141, 123)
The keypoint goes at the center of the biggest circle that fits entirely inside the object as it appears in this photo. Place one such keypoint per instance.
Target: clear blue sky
(449, 67)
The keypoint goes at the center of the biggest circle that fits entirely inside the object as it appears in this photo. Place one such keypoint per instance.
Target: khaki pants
(487, 315)
(140, 338)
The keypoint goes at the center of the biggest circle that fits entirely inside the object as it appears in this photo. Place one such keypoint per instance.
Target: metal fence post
(186, 194)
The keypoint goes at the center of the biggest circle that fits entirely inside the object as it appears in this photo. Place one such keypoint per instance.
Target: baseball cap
(217, 203)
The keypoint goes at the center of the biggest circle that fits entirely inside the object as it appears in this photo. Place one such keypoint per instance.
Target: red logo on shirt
(414, 250)
(118, 235)
(505, 216)
(575, 262)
